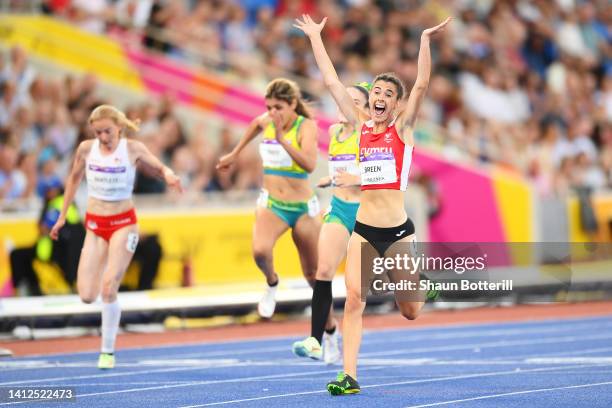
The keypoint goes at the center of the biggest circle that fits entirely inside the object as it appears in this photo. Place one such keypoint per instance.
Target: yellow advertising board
(213, 247)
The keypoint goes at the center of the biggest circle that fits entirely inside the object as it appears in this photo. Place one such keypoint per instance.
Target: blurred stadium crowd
(524, 84)
(42, 121)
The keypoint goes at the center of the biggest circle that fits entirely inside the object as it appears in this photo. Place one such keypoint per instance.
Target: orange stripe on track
(302, 327)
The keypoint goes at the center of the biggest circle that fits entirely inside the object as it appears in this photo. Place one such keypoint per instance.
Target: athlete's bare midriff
(287, 188)
(106, 208)
(382, 208)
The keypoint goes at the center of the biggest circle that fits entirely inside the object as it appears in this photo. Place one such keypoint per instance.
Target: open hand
(278, 125)
(308, 26)
(434, 30)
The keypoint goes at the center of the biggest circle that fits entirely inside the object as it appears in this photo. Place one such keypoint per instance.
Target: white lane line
(492, 332)
(107, 375)
(429, 380)
(104, 384)
(569, 360)
(293, 394)
(559, 353)
(435, 404)
(501, 343)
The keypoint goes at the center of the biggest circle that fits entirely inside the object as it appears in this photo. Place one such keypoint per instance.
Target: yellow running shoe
(106, 361)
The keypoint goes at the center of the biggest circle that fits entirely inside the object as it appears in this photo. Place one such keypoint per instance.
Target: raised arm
(143, 157)
(72, 183)
(408, 115)
(330, 77)
(255, 127)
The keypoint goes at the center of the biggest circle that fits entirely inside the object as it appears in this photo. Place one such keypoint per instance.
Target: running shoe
(106, 361)
(267, 304)
(432, 294)
(344, 384)
(331, 347)
(309, 347)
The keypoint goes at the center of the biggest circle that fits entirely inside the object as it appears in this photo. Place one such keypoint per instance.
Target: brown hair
(288, 91)
(110, 112)
(391, 77)
(364, 88)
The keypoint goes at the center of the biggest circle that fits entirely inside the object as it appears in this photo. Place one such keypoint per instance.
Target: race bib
(262, 200)
(377, 168)
(106, 180)
(132, 242)
(274, 155)
(343, 163)
(313, 206)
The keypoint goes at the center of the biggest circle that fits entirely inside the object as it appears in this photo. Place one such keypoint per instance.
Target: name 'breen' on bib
(377, 166)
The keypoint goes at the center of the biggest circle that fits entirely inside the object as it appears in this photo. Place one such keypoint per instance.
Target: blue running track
(551, 363)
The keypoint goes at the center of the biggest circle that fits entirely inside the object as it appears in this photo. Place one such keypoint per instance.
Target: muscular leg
(268, 229)
(91, 267)
(408, 302)
(305, 236)
(121, 249)
(354, 305)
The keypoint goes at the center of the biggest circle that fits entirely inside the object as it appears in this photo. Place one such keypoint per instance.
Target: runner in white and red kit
(385, 154)
(109, 163)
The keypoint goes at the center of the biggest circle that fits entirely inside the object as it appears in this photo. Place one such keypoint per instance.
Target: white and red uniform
(384, 159)
(109, 178)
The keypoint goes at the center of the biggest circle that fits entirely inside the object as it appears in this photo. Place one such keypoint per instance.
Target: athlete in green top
(289, 153)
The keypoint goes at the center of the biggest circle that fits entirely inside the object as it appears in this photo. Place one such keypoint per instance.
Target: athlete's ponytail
(110, 112)
(288, 91)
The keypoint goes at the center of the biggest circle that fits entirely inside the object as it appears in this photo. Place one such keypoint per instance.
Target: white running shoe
(331, 347)
(267, 304)
(309, 347)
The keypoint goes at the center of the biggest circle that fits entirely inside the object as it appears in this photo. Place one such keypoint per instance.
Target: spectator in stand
(13, 182)
(19, 71)
(91, 15)
(48, 179)
(510, 68)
